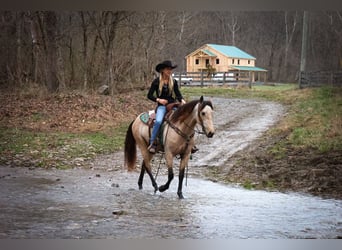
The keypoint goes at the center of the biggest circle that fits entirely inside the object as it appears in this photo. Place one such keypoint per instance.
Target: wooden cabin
(223, 58)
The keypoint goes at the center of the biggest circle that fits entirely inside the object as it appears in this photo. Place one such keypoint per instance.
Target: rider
(164, 90)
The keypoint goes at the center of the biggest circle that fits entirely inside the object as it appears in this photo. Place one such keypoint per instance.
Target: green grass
(317, 120)
(273, 93)
(58, 149)
(314, 118)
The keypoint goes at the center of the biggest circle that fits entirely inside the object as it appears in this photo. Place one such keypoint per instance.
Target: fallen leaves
(72, 112)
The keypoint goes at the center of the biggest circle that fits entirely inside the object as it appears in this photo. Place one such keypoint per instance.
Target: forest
(65, 50)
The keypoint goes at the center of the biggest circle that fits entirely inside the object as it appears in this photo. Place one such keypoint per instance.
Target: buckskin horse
(177, 138)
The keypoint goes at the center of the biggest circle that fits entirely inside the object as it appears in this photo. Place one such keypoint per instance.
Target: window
(217, 61)
(197, 61)
(249, 61)
(233, 61)
(238, 61)
(206, 62)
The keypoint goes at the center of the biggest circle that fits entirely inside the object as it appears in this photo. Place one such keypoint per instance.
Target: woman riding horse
(177, 136)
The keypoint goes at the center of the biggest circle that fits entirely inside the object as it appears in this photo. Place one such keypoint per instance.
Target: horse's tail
(130, 149)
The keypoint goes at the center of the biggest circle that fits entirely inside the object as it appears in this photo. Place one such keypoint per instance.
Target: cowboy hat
(165, 64)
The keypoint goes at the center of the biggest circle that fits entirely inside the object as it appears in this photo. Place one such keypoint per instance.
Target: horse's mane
(182, 112)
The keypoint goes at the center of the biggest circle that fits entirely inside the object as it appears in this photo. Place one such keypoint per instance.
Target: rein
(178, 131)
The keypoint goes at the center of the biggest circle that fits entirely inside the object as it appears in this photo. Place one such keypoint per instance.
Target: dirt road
(104, 201)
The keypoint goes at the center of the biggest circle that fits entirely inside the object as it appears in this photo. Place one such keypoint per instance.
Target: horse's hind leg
(154, 183)
(147, 167)
(141, 176)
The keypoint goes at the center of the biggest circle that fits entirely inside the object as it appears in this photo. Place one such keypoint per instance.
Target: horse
(177, 135)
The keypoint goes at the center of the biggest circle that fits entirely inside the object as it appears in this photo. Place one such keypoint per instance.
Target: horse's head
(205, 117)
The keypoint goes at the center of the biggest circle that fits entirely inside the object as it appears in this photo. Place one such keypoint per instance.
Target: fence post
(202, 78)
(180, 79)
(300, 79)
(249, 80)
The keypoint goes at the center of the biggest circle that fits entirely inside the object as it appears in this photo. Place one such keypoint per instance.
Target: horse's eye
(203, 113)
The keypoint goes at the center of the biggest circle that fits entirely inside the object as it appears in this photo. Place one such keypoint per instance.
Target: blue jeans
(160, 113)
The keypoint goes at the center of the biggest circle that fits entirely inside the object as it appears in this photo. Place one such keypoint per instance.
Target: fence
(217, 78)
(320, 78)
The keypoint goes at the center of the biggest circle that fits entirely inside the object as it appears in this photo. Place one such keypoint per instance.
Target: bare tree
(290, 28)
(335, 22)
(229, 24)
(49, 32)
(184, 17)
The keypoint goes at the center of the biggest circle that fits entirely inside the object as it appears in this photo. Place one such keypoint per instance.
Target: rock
(120, 212)
(103, 90)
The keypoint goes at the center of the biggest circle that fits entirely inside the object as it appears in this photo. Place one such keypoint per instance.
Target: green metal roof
(247, 68)
(209, 53)
(231, 51)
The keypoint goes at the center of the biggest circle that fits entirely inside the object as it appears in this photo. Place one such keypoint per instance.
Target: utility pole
(304, 48)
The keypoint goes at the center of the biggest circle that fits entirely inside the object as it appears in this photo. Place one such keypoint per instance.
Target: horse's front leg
(180, 183)
(182, 166)
(169, 163)
(166, 186)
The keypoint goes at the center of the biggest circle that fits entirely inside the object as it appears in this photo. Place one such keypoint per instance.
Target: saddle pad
(146, 116)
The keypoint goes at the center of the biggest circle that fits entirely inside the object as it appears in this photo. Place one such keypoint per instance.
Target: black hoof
(155, 189)
(162, 188)
(140, 187)
(180, 196)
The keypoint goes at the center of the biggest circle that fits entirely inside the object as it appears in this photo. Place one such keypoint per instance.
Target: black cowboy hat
(165, 64)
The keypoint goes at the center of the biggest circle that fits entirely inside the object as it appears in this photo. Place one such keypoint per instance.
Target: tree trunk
(84, 51)
(19, 59)
(52, 81)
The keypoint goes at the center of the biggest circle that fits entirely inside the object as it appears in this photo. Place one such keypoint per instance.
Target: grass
(58, 149)
(272, 93)
(314, 118)
(317, 120)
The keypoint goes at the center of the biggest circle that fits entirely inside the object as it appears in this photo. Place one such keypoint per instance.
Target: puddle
(81, 205)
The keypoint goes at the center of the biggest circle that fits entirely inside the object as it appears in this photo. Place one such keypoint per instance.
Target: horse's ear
(201, 99)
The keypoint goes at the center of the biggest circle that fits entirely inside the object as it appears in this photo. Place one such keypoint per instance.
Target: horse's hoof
(155, 188)
(140, 187)
(162, 188)
(180, 196)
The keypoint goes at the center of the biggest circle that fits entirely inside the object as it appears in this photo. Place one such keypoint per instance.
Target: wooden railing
(320, 78)
(218, 78)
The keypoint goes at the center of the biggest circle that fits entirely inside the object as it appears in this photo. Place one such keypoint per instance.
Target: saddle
(149, 117)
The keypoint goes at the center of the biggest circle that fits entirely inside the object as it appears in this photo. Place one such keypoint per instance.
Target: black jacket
(153, 92)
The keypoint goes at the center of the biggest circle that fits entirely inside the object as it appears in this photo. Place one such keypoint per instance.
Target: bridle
(182, 134)
(178, 131)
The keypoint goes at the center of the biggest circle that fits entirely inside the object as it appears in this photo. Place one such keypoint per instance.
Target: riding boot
(152, 148)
